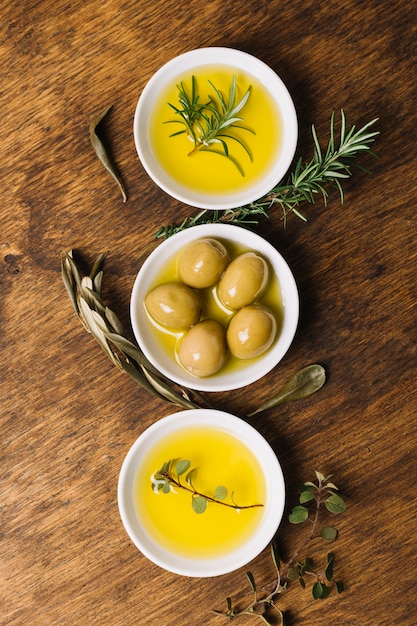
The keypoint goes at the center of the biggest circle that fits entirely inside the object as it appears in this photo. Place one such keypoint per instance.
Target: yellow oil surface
(170, 339)
(213, 173)
(222, 460)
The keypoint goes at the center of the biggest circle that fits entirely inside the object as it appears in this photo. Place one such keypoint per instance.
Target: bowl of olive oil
(215, 128)
(214, 307)
(201, 493)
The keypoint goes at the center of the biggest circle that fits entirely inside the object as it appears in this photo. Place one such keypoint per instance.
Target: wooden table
(69, 417)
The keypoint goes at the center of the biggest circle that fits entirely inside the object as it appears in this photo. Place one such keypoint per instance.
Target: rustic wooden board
(68, 417)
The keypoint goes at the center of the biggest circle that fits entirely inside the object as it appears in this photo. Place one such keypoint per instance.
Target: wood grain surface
(68, 417)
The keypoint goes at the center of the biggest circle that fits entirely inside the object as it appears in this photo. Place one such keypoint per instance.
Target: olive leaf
(104, 325)
(306, 382)
(101, 152)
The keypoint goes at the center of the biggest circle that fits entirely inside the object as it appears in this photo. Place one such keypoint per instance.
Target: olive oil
(220, 459)
(213, 173)
(169, 339)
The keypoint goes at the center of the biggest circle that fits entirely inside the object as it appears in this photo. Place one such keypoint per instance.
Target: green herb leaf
(293, 573)
(317, 590)
(275, 557)
(191, 475)
(298, 515)
(335, 504)
(182, 466)
(328, 572)
(328, 533)
(339, 586)
(306, 382)
(101, 152)
(307, 566)
(220, 493)
(306, 496)
(199, 504)
(251, 580)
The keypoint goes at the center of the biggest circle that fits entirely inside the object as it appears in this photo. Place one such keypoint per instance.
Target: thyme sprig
(169, 476)
(208, 125)
(309, 180)
(314, 497)
(104, 325)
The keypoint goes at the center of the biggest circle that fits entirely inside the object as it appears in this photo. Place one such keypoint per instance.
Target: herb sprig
(169, 476)
(313, 498)
(104, 325)
(208, 125)
(309, 180)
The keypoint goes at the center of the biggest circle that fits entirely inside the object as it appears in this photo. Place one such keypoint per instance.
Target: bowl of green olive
(214, 307)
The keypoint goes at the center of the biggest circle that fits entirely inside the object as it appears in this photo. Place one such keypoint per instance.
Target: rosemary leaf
(306, 382)
(101, 152)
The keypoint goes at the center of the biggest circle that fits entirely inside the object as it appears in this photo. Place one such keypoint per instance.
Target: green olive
(174, 305)
(203, 349)
(202, 262)
(244, 280)
(251, 332)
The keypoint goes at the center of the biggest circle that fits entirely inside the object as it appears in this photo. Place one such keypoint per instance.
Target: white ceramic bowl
(272, 509)
(186, 64)
(233, 378)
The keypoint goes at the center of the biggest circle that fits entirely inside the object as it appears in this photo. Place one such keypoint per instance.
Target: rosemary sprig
(170, 476)
(244, 216)
(314, 497)
(104, 325)
(310, 179)
(208, 125)
(326, 168)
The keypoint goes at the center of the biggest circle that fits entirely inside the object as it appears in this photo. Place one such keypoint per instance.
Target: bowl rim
(243, 376)
(221, 56)
(274, 483)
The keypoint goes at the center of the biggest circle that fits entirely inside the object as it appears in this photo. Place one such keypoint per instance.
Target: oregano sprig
(313, 498)
(169, 477)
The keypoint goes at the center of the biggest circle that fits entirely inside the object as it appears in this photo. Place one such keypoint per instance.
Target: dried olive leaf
(306, 382)
(101, 152)
(165, 391)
